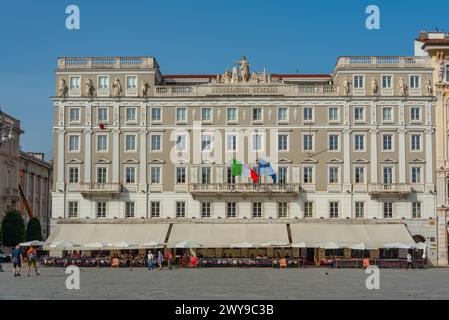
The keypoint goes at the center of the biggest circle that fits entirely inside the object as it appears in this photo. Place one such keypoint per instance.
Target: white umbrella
(330, 245)
(62, 244)
(123, 244)
(188, 245)
(97, 245)
(243, 245)
(151, 244)
(34, 243)
(276, 243)
(300, 245)
(398, 245)
(362, 246)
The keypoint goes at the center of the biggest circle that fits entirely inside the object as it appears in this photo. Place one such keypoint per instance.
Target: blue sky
(202, 36)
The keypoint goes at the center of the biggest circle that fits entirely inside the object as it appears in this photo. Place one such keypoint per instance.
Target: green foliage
(34, 231)
(13, 229)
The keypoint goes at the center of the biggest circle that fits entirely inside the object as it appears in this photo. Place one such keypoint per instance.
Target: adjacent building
(354, 151)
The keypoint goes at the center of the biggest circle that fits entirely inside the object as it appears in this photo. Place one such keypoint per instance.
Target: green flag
(236, 169)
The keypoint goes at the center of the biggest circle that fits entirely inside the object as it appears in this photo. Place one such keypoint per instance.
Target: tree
(13, 229)
(33, 231)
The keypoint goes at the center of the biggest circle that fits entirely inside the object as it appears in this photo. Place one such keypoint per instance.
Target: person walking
(160, 259)
(150, 260)
(409, 261)
(169, 258)
(32, 261)
(17, 261)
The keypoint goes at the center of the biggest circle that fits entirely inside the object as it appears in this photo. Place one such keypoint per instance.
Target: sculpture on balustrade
(62, 89)
(235, 75)
(402, 87)
(374, 87)
(244, 69)
(347, 87)
(429, 87)
(441, 71)
(144, 89)
(117, 86)
(225, 77)
(90, 88)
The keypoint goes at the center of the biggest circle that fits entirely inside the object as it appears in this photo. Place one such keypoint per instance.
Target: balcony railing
(175, 91)
(106, 63)
(92, 189)
(236, 188)
(389, 189)
(383, 61)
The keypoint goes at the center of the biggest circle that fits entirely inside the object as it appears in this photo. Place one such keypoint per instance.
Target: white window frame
(79, 143)
(135, 143)
(98, 144)
(313, 142)
(151, 115)
(330, 121)
(278, 207)
(420, 114)
(235, 210)
(128, 121)
(97, 207)
(103, 92)
(132, 92)
(356, 215)
(159, 209)
(312, 214)
(261, 115)
(78, 168)
(107, 115)
(364, 114)
(69, 209)
(78, 121)
(236, 115)
(338, 209)
(393, 138)
(97, 167)
(228, 135)
(329, 167)
(412, 87)
(288, 115)
(328, 141)
(184, 207)
(262, 142)
(303, 175)
(287, 149)
(128, 205)
(185, 175)
(207, 121)
(387, 91)
(414, 203)
(160, 168)
(211, 141)
(308, 121)
(364, 175)
(421, 171)
(420, 135)
(125, 178)
(392, 210)
(160, 142)
(392, 114)
(358, 91)
(75, 92)
(355, 142)
(184, 121)
(393, 174)
(185, 142)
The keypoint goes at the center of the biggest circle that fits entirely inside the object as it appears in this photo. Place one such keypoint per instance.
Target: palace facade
(354, 151)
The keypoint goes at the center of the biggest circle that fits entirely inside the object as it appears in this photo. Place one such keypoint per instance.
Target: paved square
(222, 284)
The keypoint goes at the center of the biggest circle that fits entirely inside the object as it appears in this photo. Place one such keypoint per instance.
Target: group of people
(30, 259)
(158, 259)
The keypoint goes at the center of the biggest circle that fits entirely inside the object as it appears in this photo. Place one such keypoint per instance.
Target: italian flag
(240, 170)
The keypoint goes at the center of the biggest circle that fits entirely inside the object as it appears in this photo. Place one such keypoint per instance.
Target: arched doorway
(418, 238)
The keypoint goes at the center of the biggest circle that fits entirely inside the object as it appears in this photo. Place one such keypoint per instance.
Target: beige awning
(225, 235)
(377, 235)
(82, 234)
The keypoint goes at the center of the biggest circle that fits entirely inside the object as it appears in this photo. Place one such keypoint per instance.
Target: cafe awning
(89, 233)
(346, 235)
(226, 235)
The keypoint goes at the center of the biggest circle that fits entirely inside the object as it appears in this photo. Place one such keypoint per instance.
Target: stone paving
(222, 284)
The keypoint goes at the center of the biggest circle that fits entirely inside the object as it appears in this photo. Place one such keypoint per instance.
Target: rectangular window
(181, 143)
(155, 175)
(74, 115)
(131, 115)
(103, 82)
(333, 174)
(130, 142)
(333, 115)
(308, 142)
(103, 115)
(359, 142)
(131, 82)
(308, 209)
(416, 210)
(359, 114)
(283, 175)
(282, 209)
(129, 209)
(102, 175)
(359, 210)
(205, 175)
(387, 82)
(156, 142)
(205, 209)
(180, 175)
(416, 142)
(387, 114)
(206, 143)
(388, 210)
(206, 114)
(74, 143)
(334, 209)
(101, 209)
(73, 209)
(156, 115)
(231, 209)
(257, 209)
(415, 82)
(102, 142)
(416, 175)
(232, 114)
(388, 175)
(359, 82)
(231, 142)
(359, 175)
(308, 174)
(75, 82)
(257, 142)
(387, 142)
(282, 142)
(130, 173)
(283, 114)
(180, 209)
(155, 209)
(229, 177)
(257, 114)
(74, 175)
(333, 142)
(308, 114)
(181, 114)
(415, 114)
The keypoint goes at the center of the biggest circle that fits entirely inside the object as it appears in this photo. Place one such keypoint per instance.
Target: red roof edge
(190, 76)
(301, 76)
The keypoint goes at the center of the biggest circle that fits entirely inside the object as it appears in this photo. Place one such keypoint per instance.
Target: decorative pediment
(310, 161)
(335, 161)
(360, 161)
(207, 161)
(74, 161)
(418, 161)
(131, 161)
(182, 161)
(157, 161)
(284, 160)
(103, 161)
(389, 161)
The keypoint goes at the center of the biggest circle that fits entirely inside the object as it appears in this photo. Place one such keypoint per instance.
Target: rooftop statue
(244, 69)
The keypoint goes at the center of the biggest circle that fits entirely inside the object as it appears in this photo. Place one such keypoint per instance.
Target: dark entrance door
(310, 254)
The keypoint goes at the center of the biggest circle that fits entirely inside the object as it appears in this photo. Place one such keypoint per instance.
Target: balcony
(389, 190)
(89, 190)
(244, 189)
(107, 63)
(383, 62)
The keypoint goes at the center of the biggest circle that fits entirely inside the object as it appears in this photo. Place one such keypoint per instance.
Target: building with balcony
(353, 147)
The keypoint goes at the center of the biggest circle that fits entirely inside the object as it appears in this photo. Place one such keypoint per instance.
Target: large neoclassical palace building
(141, 155)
